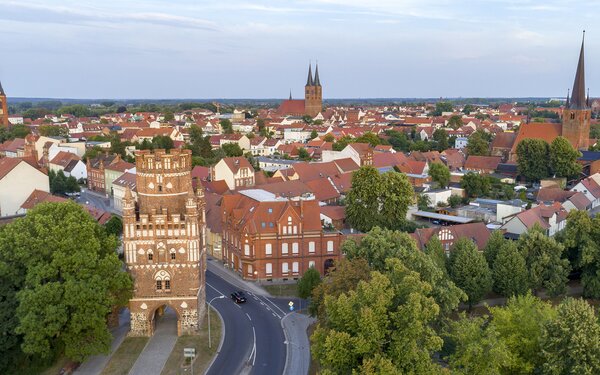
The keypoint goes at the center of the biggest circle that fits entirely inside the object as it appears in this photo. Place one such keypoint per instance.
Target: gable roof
(537, 130)
(476, 232)
(476, 162)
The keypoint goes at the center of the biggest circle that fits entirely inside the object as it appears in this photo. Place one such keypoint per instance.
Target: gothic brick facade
(163, 241)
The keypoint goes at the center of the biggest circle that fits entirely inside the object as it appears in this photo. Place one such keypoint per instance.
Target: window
(159, 188)
(572, 116)
(284, 248)
(295, 248)
(270, 210)
(268, 249)
(295, 267)
(329, 246)
(269, 269)
(150, 256)
(247, 250)
(311, 264)
(284, 268)
(263, 225)
(311, 247)
(173, 255)
(158, 284)
(295, 229)
(284, 229)
(167, 284)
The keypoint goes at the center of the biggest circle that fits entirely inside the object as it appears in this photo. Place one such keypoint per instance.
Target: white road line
(277, 316)
(249, 318)
(253, 353)
(272, 303)
(218, 291)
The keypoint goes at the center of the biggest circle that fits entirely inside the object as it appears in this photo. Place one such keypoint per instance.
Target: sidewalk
(297, 360)
(154, 356)
(95, 364)
(216, 267)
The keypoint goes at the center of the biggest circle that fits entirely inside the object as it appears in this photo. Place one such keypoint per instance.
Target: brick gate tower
(163, 242)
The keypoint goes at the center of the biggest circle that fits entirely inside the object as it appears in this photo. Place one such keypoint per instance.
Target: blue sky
(261, 49)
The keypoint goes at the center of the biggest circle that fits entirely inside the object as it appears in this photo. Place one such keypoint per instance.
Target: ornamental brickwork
(163, 242)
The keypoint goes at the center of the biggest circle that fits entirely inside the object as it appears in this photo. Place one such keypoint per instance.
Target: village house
(18, 179)
(235, 171)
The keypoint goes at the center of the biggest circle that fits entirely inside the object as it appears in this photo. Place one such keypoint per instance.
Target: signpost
(191, 354)
(291, 304)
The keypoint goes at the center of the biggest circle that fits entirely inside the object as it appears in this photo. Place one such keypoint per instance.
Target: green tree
(478, 347)
(435, 250)
(370, 138)
(308, 282)
(341, 143)
(381, 244)
(543, 255)
(510, 271)
(398, 140)
(440, 174)
(303, 154)
(162, 142)
(455, 122)
(469, 270)
(442, 107)
(168, 116)
(468, 108)
(114, 226)
(571, 341)
(73, 279)
(475, 185)
(262, 129)
(307, 119)
(92, 153)
(53, 131)
(313, 134)
(581, 239)
(18, 131)
(455, 201)
(377, 199)
(440, 137)
(226, 126)
(367, 328)
(423, 202)
(520, 324)
(533, 159)
(478, 144)
(232, 149)
(345, 276)
(329, 138)
(491, 249)
(563, 158)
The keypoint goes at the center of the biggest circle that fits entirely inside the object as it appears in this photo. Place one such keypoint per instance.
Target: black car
(238, 297)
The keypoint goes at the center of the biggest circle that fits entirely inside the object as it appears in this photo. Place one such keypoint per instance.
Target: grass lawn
(282, 290)
(176, 363)
(57, 366)
(123, 359)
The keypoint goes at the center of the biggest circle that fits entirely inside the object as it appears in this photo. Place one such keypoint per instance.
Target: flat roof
(433, 215)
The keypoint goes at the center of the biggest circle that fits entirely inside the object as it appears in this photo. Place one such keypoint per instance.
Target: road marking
(277, 316)
(249, 318)
(253, 348)
(218, 291)
(278, 308)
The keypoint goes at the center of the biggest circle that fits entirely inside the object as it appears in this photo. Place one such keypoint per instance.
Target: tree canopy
(532, 159)
(469, 270)
(440, 174)
(478, 144)
(66, 277)
(563, 158)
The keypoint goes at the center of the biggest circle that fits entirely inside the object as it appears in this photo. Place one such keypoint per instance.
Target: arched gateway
(163, 241)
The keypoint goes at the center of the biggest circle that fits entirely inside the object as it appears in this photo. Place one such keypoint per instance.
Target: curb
(287, 346)
(220, 343)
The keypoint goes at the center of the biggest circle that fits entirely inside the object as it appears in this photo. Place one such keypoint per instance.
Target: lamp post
(209, 302)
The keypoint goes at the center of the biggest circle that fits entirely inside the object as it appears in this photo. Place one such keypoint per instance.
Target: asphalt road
(254, 342)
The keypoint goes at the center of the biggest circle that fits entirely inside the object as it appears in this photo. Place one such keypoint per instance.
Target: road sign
(291, 307)
(291, 303)
(189, 352)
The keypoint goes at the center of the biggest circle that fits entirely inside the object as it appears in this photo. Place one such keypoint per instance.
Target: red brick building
(266, 237)
(3, 108)
(95, 171)
(163, 242)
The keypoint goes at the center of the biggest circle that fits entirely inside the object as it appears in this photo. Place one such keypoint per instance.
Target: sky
(261, 48)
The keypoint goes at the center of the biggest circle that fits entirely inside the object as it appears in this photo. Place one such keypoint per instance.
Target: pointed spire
(568, 103)
(128, 194)
(317, 81)
(2, 90)
(290, 94)
(309, 81)
(578, 95)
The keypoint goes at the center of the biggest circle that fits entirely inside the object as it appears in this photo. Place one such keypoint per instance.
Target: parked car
(238, 297)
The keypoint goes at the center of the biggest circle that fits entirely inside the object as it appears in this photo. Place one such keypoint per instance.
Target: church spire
(2, 90)
(578, 95)
(309, 81)
(290, 94)
(568, 103)
(317, 81)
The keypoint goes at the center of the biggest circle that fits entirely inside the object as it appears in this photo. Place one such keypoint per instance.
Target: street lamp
(209, 302)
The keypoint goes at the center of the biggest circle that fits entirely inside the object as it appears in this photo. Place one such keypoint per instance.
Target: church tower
(577, 112)
(313, 93)
(3, 107)
(163, 242)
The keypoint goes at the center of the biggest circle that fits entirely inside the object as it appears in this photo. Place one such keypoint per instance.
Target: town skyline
(261, 50)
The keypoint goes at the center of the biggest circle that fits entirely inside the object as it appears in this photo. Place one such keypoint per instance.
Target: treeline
(390, 308)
